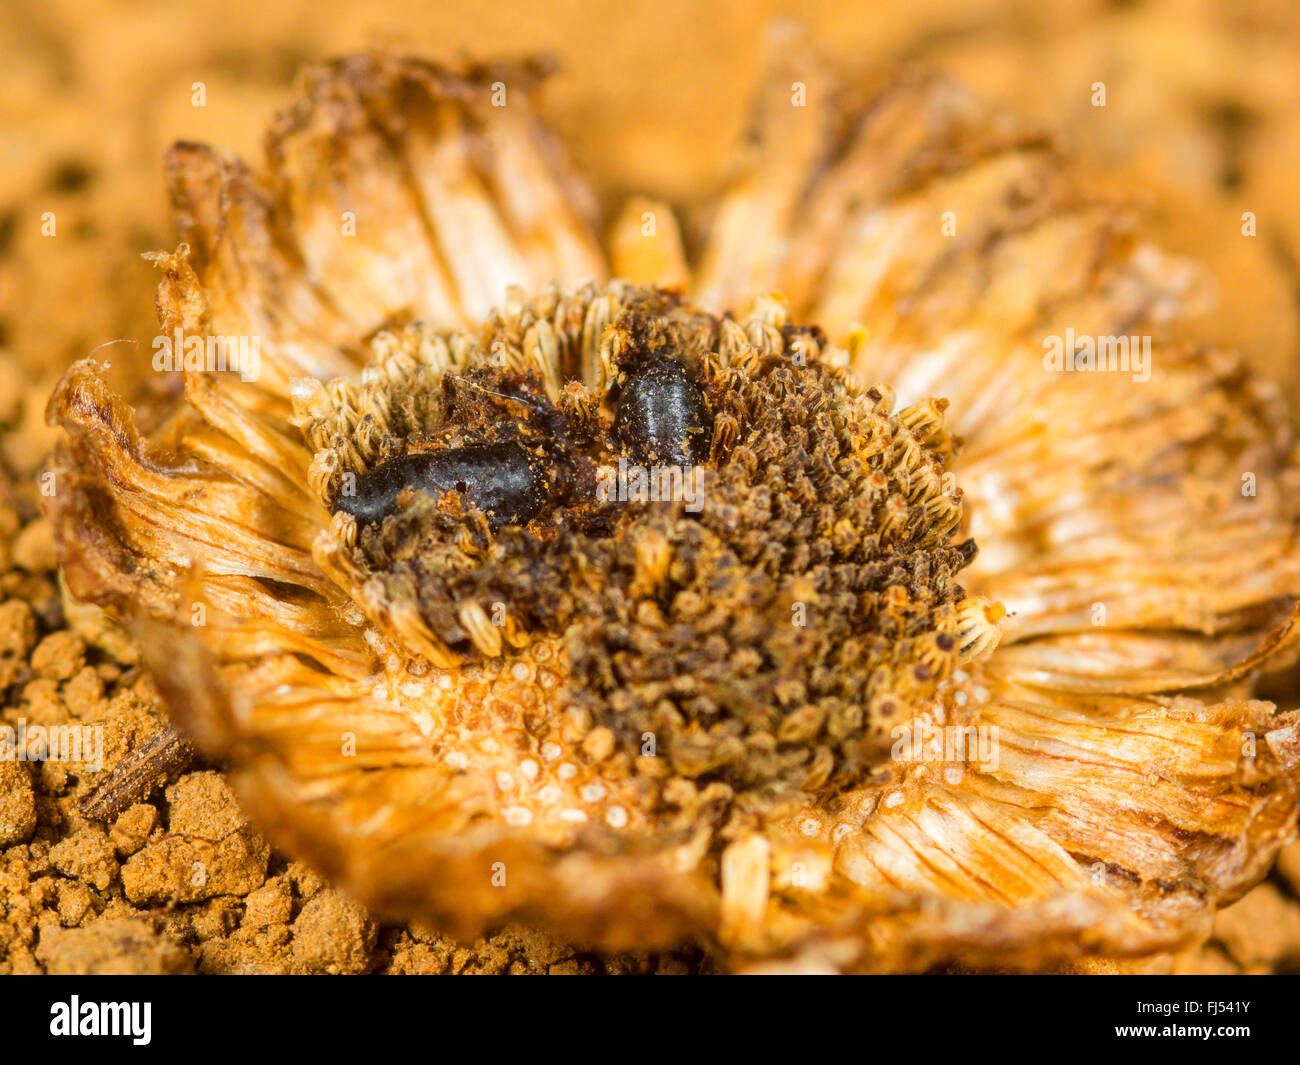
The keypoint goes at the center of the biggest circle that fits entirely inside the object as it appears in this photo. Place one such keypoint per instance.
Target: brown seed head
(764, 617)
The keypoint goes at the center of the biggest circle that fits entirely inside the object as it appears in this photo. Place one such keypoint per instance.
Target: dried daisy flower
(513, 583)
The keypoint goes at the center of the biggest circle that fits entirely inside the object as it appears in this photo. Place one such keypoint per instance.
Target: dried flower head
(640, 613)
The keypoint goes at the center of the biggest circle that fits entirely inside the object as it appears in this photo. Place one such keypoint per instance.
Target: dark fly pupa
(502, 480)
(663, 418)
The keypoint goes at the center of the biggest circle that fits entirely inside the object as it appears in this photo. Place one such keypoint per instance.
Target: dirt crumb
(86, 855)
(271, 904)
(58, 656)
(132, 828)
(17, 637)
(75, 902)
(190, 869)
(202, 805)
(34, 547)
(333, 935)
(119, 947)
(17, 804)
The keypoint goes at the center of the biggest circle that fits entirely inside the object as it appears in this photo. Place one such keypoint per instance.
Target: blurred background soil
(1201, 124)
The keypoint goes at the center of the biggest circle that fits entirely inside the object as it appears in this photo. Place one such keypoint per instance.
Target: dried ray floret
(644, 613)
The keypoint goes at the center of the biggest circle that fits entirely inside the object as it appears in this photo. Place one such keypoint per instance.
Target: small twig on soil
(138, 773)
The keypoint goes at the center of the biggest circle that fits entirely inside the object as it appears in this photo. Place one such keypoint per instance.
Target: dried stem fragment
(166, 754)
